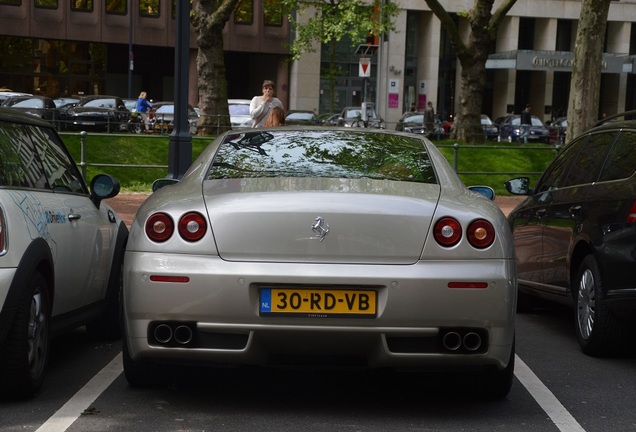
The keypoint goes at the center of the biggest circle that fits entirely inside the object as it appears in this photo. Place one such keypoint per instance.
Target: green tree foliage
(329, 21)
(472, 53)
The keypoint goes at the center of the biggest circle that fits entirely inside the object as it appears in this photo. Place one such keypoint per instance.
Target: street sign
(364, 70)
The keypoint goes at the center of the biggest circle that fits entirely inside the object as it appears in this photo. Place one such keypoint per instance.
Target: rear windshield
(334, 154)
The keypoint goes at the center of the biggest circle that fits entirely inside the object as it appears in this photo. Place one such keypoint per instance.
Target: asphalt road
(557, 388)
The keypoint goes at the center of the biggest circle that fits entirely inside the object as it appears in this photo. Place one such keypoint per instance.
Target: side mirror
(103, 186)
(518, 186)
(486, 191)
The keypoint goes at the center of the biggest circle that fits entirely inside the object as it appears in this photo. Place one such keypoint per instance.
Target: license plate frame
(313, 302)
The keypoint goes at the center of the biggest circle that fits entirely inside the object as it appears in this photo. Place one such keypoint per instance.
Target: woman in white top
(262, 105)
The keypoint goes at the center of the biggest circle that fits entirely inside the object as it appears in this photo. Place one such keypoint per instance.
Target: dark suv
(575, 234)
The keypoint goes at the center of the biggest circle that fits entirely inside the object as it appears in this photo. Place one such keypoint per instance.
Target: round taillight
(447, 231)
(481, 233)
(192, 226)
(159, 227)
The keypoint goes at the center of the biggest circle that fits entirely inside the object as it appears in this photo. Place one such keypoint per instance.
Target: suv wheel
(24, 354)
(598, 330)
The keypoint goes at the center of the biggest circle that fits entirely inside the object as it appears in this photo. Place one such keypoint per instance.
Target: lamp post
(180, 146)
(130, 51)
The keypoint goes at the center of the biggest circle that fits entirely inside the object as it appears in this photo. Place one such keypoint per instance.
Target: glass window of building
(11, 2)
(273, 13)
(46, 4)
(116, 7)
(149, 8)
(244, 12)
(82, 5)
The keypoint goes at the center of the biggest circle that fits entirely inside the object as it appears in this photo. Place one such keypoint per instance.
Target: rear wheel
(598, 330)
(24, 354)
(136, 127)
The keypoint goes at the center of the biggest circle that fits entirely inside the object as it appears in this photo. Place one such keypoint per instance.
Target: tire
(24, 354)
(357, 124)
(598, 330)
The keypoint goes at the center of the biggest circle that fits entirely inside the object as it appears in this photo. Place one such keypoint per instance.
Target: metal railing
(457, 148)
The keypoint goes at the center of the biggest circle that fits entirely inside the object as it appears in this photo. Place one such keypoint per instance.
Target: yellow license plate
(323, 303)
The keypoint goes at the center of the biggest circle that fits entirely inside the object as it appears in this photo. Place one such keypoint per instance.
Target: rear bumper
(416, 310)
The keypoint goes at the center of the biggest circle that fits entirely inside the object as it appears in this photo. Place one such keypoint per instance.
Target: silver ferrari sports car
(320, 246)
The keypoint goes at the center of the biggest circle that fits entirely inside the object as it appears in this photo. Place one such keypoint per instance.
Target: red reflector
(631, 217)
(174, 279)
(468, 284)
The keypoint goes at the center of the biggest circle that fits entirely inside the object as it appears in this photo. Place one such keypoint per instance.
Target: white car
(61, 251)
(305, 245)
(240, 113)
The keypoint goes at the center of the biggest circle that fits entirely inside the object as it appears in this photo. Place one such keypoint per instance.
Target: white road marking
(546, 399)
(73, 409)
(65, 416)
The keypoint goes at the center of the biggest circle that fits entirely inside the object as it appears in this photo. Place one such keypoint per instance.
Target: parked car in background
(413, 122)
(575, 233)
(558, 130)
(352, 117)
(61, 251)
(38, 106)
(7, 94)
(329, 119)
(98, 113)
(488, 126)
(301, 118)
(131, 104)
(491, 131)
(510, 130)
(162, 117)
(62, 101)
(240, 113)
(301, 246)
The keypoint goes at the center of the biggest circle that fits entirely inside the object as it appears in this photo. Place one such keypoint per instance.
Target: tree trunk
(209, 18)
(585, 85)
(212, 84)
(472, 56)
(467, 124)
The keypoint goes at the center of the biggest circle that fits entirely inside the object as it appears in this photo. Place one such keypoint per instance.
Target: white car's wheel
(24, 354)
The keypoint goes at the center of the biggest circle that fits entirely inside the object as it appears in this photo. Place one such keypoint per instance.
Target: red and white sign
(365, 67)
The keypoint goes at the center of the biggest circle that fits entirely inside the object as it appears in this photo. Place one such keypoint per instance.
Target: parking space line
(546, 399)
(65, 416)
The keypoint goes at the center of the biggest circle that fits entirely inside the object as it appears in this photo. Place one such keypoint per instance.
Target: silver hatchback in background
(331, 246)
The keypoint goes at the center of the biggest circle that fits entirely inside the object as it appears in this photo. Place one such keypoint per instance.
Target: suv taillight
(3, 233)
(631, 216)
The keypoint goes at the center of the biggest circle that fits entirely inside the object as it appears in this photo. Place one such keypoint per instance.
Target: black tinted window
(589, 159)
(322, 154)
(621, 160)
(19, 167)
(554, 175)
